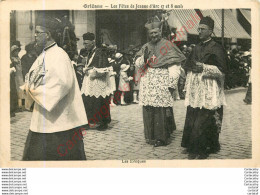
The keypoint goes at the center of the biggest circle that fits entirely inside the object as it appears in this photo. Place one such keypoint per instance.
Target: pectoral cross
(153, 57)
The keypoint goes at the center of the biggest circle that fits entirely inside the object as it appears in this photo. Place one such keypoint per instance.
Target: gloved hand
(12, 70)
(198, 68)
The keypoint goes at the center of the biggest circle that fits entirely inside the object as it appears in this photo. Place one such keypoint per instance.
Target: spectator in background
(136, 80)
(234, 73)
(112, 75)
(119, 60)
(28, 59)
(19, 81)
(247, 60)
(248, 98)
(244, 68)
(124, 82)
(184, 50)
(18, 43)
(112, 51)
(188, 51)
(130, 73)
(78, 69)
(13, 92)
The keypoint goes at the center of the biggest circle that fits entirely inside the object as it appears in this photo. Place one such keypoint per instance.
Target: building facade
(126, 27)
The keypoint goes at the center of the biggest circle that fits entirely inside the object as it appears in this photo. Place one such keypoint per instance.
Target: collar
(51, 45)
(93, 50)
(204, 42)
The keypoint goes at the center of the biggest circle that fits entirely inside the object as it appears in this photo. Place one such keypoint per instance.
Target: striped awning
(247, 14)
(187, 21)
(232, 28)
(188, 18)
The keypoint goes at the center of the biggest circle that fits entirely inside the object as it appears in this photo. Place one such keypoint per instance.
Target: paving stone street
(125, 137)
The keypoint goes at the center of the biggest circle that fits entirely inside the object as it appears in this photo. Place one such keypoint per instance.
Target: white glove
(12, 70)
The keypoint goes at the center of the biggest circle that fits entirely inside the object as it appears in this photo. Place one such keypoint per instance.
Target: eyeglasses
(87, 43)
(38, 33)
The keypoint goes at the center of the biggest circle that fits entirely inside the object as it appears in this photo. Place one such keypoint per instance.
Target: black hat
(16, 43)
(89, 36)
(207, 21)
(15, 48)
(49, 22)
(30, 47)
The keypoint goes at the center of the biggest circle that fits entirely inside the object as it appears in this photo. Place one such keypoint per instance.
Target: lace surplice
(154, 88)
(205, 89)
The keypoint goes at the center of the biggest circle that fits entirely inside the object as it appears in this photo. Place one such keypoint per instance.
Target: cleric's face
(204, 32)
(41, 35)
(88, 44)
(155, 35)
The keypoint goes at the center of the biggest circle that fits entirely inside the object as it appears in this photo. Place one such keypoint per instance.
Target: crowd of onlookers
(124, 72)
(239, 68)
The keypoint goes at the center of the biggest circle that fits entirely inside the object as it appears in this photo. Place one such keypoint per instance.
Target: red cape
(166, 53)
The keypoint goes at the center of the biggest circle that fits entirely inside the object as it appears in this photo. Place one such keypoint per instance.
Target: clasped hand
(197, 67)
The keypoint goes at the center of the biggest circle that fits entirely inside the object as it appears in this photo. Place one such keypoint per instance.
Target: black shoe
(102, 127)
(159, 143)
(185, 151)
(86, 127)
(213, 150)
(19, 110)
(246, 101)
(203, 156)
(192, 156)
(93, 126)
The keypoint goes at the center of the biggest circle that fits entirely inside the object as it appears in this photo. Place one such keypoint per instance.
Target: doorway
(121, 28)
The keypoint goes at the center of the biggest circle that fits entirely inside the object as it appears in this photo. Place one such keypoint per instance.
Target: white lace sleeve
(174, 75)
(139, 63)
